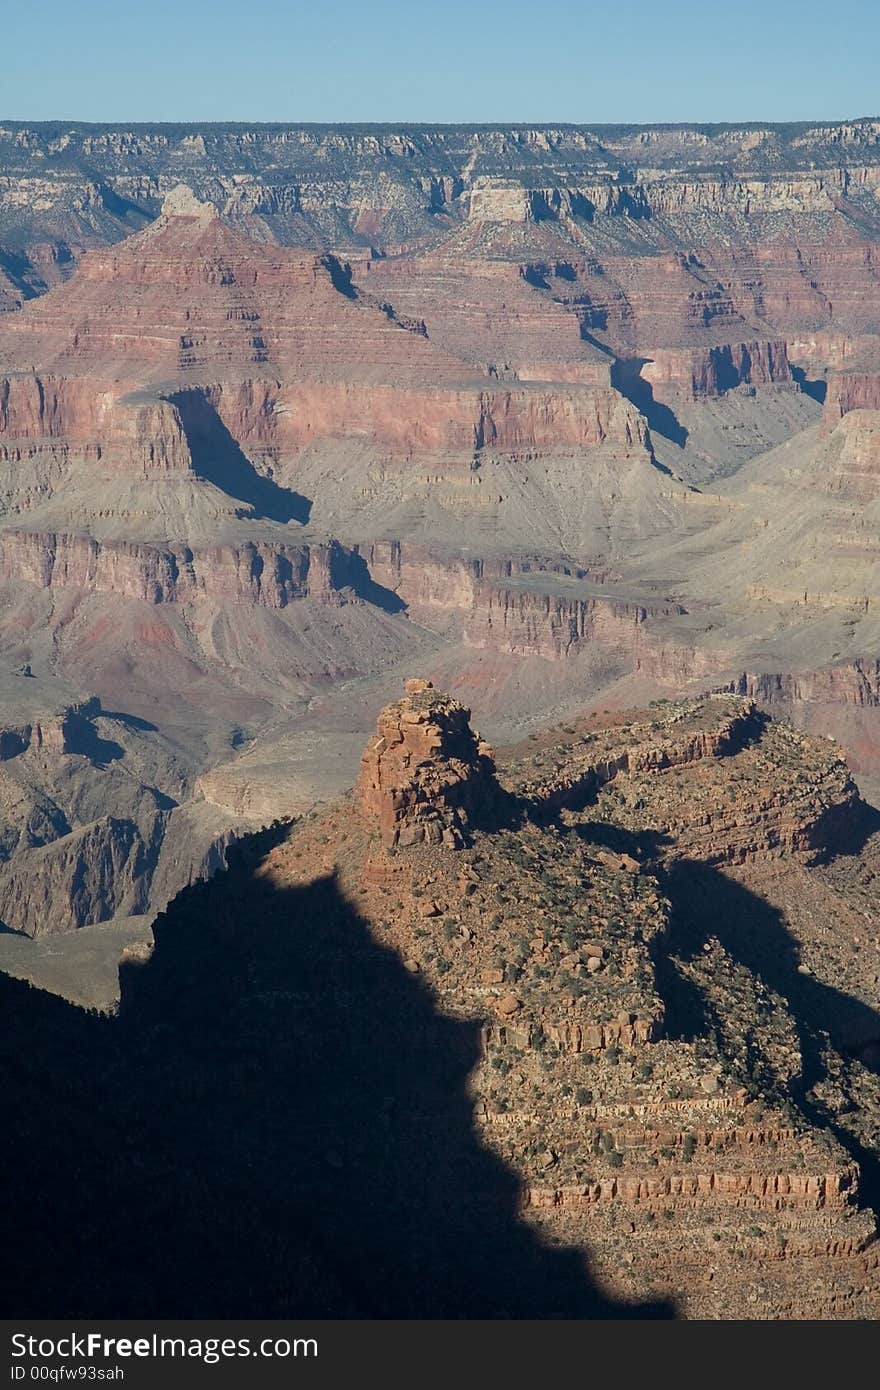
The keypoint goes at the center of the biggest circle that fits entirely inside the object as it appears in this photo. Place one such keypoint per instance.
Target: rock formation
(425, 772)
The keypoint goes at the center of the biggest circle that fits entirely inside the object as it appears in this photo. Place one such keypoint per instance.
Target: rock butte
(425, 771)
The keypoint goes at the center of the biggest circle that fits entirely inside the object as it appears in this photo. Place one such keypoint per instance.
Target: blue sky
(459, 60)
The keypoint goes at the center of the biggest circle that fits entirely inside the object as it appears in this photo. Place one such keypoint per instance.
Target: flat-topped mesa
(426, 772)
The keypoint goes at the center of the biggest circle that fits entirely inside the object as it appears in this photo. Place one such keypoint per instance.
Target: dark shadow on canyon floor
(366, 587)
(219, 459)
(816, 387)
(276, 1124)
(82, 737)
(626, 378)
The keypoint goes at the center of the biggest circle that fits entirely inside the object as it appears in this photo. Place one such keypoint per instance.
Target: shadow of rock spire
(276, 1124)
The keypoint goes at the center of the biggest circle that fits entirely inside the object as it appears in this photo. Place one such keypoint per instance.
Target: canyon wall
(850, 390)
(264, 573)
(711, 371)
(405, 423)
(513, 603)
(385, 186)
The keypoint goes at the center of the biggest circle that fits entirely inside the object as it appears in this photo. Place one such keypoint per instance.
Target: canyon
(564, 415)
(583, 425)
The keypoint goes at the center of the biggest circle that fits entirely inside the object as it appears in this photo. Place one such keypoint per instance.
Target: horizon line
(77, 122)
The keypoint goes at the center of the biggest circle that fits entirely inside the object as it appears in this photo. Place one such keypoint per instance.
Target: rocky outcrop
(707, 372)
(728, 725)
(854, 683)
(753, 1191)
(548, 959)
(850, 390)
(426, 772)
(47, 406)
(811, 814)
(506, 317)
(57, 732)
(193, 298)
(810, 817)
(829, 350)
(504, 200)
